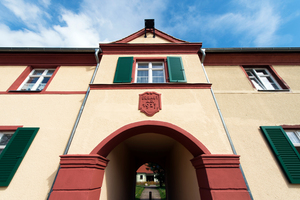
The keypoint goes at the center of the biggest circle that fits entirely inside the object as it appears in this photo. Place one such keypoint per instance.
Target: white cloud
(29, 13)
(258, 22)
(95, 22)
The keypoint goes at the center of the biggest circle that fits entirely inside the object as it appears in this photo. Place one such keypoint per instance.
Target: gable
(160, 37)
(149, 39)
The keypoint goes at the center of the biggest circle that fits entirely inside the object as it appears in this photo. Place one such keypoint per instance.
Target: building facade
(78, 123)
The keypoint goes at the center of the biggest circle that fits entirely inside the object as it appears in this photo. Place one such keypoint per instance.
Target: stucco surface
(191, 63)
(290, 74)
(70, 78)
(55, 115)
(190, 109)
(228, 78)
(8, 75)
(244, 114)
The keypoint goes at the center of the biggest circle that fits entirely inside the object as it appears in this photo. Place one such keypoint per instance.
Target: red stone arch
(186, 139)
(219, 177)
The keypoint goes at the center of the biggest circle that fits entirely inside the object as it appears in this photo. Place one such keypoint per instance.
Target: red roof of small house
(143, 169)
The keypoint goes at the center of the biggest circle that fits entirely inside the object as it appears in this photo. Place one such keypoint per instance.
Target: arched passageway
(190, 166)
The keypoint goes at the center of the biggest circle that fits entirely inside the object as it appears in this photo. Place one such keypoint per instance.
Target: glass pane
(4, 138)
(269, 83)
(293, 137)
(30, 83)
(143, 65)
(158, 73)
(158, 80)
(43, 83)
(50, 72)
(261, 72)
(256, 84)
(142, 73)
(142, 77)
(157, 65)
(38, 72)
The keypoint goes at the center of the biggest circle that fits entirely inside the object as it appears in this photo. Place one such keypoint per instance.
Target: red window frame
(14, 87)
(272, 71)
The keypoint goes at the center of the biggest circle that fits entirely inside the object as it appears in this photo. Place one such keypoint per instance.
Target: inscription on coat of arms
(150, 103)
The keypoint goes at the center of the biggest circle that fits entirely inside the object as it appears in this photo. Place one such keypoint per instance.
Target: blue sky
(85, 23)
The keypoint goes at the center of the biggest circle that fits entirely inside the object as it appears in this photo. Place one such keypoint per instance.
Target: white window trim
(41, 77)
(258, 78)
(297, 134)
(149, 69)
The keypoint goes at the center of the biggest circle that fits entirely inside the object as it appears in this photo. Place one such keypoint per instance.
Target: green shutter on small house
(284, 151)
(14, 152)
(123, 70)
(176, 70)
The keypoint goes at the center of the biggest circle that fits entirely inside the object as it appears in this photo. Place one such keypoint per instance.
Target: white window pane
(256, 84)
(50, 72)
(293, 137)
(142, 73)
(261, 72)
(158, 80)
(30, 83)
(158, 73)
(268, 83)
(43, 83)
(142, 79)
(38, 72)
(157, 65)
(143, 65)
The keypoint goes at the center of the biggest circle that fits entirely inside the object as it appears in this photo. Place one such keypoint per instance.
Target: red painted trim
(169, 48)
(150, 86)
(54, 73)
(13, 92)
(150, 103)
(9, 128)
(50, 59)
(279, 80)
(291, 127)
(186, 139)
(20, 79)
(157, 33)
(80, 177)
(220, 178)
(272, 71)
(225, 59)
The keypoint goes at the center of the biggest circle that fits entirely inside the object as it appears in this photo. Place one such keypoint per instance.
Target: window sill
(282, 90)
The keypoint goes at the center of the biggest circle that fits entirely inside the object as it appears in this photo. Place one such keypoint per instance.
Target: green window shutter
(285, 152)
(176, 70)
(124, 70)
(12, 155)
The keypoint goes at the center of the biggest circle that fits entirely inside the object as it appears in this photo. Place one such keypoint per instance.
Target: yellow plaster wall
(118, 174)
(8, 75)
(245, 110)
(149, 39)
(290, 74)
(228, 78)
(72, 78)
(191, 63)
(108, 110)
(55, 115)
(182, 179)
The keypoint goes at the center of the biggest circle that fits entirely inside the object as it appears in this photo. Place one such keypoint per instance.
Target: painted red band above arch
(194, 146)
